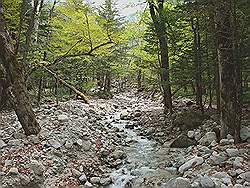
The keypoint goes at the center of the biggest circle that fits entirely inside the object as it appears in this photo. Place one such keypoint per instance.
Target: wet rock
(183, 142)
(62, 118)
(95, 180)
(37, 167)
(2, 144)
(83, 179)
(208, 138)
(245, 133)
(232, 152)
(178, 182)
(207, 182)
(191, 163)
(13, 171)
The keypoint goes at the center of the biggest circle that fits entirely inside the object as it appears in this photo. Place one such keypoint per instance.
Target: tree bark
(228, 70)
(17, 90)
(160, 27)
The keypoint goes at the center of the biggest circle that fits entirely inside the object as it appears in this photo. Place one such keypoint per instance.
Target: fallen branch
(76, 91)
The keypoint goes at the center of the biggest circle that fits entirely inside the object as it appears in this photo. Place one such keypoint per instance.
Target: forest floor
(122, 142)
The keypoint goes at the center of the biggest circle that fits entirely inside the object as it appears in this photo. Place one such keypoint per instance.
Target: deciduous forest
(119, 94)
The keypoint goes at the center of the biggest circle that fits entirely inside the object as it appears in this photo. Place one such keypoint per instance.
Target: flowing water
(145, 160)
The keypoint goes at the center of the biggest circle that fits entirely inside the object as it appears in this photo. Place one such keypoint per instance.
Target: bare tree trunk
(160, 28)
(17, 91)
(228, 69)
(197, 62)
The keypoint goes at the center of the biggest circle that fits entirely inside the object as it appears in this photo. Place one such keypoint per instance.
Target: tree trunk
(228, 70)
(160, 27)
(17, 90)
(197, 62)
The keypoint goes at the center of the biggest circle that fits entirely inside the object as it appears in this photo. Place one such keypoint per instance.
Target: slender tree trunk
(228, 69)
(197, 62)
(160, 27)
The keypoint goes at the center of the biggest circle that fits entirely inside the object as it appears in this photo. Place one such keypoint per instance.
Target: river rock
(207, 182)
(245, 133)
(208, 138)
(124, 115)
(179, 182)
(238, 162)
(83, 179)
(224, 142)
(13, 171)
(190, 134)
(76, 173)
(95, 180)
(86, 145)
(37, 167)
(105, 181)
(2, 144)
(62, 118)
(232, 152)
(245, 176)
(191, 163)
(218, 159)
(183, 142)
(118, 154)
(54, 143)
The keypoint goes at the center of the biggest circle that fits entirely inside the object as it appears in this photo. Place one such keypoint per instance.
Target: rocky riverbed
(121, 142)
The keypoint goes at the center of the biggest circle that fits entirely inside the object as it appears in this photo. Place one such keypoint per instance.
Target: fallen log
(72, 88)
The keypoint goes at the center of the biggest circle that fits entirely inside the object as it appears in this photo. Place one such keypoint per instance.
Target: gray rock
(86, 145)
(95, 180)
(105, 181)
(224, 142)
(54, 143)
(221, 175)
(208, 138)
(79, 142)
(76, 173)
(238, 186)
(88, 185)
(218, 159)
(83, 179)
(232, 152)
(13, 171)
(62, 118)
(245, 133)
(118, 154)
(2, 144)
(245, 176)
(68, 144)
(191, 163)
(190, 134)
(207, 182)
(238, 162)
(37, 167)
(183, 142)
(124, 115)
(179, 182)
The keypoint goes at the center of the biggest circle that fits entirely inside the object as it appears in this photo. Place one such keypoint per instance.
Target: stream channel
(146, 162)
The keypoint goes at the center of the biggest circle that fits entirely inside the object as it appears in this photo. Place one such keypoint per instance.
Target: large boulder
(191, 163)
(208, 138)
(183, 142)
(189, 120)
(179, 182)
